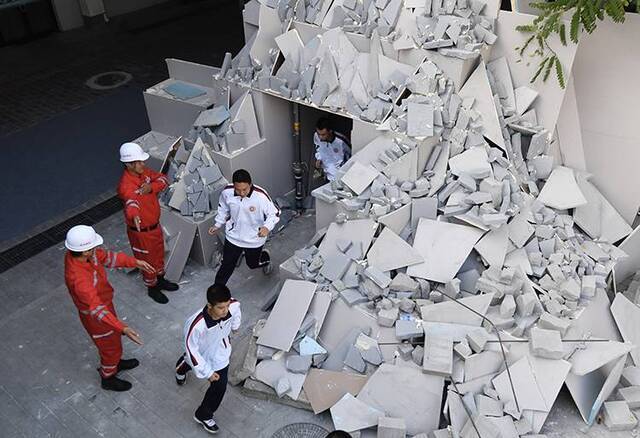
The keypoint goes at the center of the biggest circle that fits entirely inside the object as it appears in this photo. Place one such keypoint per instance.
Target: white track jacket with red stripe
(207, 340)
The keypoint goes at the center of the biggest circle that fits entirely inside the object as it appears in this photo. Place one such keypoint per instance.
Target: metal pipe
(298, 167)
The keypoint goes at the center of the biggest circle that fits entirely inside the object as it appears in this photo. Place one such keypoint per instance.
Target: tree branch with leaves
(585, 14)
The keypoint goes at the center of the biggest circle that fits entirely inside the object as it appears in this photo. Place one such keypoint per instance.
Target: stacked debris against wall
(464, 265)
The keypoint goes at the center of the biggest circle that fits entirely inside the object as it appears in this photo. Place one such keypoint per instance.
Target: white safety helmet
(132, 152)
(82, 238)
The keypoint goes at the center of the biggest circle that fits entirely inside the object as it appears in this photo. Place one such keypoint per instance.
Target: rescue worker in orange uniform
(86, 279)
(139, 188)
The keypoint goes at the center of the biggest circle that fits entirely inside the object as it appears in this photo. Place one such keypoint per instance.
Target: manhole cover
(301, 430)
(108, 80)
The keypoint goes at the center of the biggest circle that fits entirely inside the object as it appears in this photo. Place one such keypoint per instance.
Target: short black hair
(218, 293)
(338, 434)
(241, 176)
(323, 123)
(76, 254)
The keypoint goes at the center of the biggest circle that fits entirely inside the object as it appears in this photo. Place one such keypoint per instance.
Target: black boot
(114, 384)
(127, 364)
(166, 284)
(156, 295)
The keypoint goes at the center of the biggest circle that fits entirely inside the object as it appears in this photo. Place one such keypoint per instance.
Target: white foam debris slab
(438, 355)
(269, 28)
(499, 68)
(524, 98)
(397, 219)
(457, 332)
(419, 119)
(290, 45)
(325, 388)
(351, 414)
(598, 218)
(244, 110)
(478, 87)
(473, 162)
(440, 169)
(451, 312)
(520, 230)
(335, 266)
(482, 364)
(597, 354)
(518, 258)
(628, 266)
(319, 308)
(387, 389)
(546, 343)
(551, 96)
(444, 247)
(423, 207)
(404, 168)
(631, 376)
(525, 386)
(359, 177)
(590, 391)
(390, 252)
(627, 317)
(553, 374)
(631, 394)
(618, 416)
(271, 371)
(493, 246)
(287, 314)
(561, 190)
(359, 231)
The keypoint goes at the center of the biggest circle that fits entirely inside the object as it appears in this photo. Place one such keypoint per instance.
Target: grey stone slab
(287, 314)
(381, 279)
(561, 190)
(337, 355)
(353, 296)
(546, 343)
(631, 376)
(213, 117)
(298, 364)
(631, 395)
(386, 391)
(452, 312)
(275, 374)
(525, 384)
(369, 349)
(325, 388)
(354, 360)
(398, 219)
(426, 207)
(359, 231)
(359, 177)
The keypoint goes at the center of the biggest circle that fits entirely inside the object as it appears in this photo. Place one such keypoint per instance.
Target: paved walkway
(49, 385)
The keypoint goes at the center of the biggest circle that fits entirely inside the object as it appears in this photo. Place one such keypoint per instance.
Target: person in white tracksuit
(207, 348)
(332, 148)
(249, 215)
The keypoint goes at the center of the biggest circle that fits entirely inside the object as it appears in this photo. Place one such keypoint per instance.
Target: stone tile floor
(49, 385)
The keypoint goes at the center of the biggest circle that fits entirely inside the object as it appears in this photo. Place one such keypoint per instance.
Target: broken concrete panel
(397, 219)
(524, 98)
(618, 416)
(354, 360)
(473, 162)
(627, 317)
(335, 266)
(482, 364)
(454, 313)
(438, 355)
(351, 414)
(287, 314)
(419, 119)
(359, 231)
(525, 384)
(423, 207)
(359, 177)
(518, 259)
(386, 390)
(391, 428)
(407, 329)
(390, 252)
(598, 218)
(546, 343)
(561, 190)
(493, 246)
(520, 230)
(272, 372)
(478, 87)
(325, 388)
(444, 247)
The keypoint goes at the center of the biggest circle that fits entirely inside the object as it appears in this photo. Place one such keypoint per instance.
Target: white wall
(607, 93)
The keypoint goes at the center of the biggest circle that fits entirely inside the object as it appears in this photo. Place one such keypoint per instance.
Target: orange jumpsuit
(93, 296)
(148, 243)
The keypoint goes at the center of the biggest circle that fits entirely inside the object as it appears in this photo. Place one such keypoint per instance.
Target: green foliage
(585, 15)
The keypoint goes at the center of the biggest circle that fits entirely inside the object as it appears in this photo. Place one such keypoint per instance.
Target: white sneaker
(208, 425)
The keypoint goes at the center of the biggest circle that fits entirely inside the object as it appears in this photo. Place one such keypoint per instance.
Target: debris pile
(464, 263)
